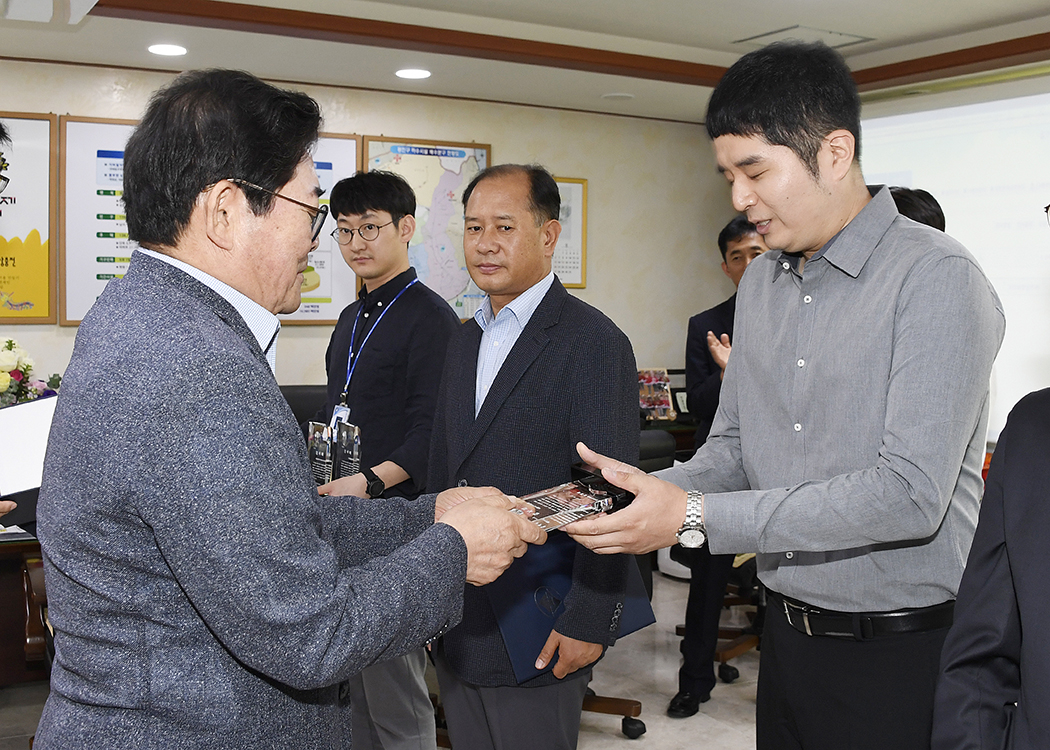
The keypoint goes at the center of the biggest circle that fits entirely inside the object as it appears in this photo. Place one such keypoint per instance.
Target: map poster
(28, 218)
(95, 247)
(95, 244)
(438, 173)
(570, 256)
(328, 283)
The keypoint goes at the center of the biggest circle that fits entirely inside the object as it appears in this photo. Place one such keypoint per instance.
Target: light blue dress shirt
(499, 333)
(263, 324)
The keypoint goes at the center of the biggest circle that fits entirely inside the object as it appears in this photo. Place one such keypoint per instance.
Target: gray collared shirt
(850, 434)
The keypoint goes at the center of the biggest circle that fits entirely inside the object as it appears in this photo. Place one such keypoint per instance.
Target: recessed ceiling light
(617, 97)
(168, 50)
(414, 74)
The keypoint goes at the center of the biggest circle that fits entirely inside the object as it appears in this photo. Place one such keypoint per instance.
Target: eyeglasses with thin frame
(317, 213)
(368, 232)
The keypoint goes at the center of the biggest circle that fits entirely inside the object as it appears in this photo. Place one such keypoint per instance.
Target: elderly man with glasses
(200, 588)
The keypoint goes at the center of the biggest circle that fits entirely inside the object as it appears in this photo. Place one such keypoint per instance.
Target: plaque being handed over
(588, 494)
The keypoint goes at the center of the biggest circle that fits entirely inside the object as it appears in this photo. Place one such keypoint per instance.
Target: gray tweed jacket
(202, 594)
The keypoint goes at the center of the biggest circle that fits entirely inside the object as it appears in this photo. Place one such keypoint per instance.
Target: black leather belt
(862, 626)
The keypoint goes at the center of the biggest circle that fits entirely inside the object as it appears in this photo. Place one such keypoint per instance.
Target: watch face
(692, 538)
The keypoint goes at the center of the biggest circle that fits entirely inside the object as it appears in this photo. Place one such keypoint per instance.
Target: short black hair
(789, 94)
(5, 137)
(373, 191)
(206, 126)
(919, 206)
(733, 231)
(544, 198)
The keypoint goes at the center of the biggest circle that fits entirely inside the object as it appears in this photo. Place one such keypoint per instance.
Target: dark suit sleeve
(604, 415)
(703, 377)
(427, 346)
(980, 664)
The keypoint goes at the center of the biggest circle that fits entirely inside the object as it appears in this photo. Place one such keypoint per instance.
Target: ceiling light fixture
(413, 74)
(167, 50)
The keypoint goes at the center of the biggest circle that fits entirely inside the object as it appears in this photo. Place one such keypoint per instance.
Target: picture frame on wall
(95, 247)
(438, 172)
(329, 284)
(570, 256)
(29, 219)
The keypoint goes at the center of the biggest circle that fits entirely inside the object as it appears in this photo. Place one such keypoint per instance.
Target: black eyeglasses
(317, 213)
(368, 232)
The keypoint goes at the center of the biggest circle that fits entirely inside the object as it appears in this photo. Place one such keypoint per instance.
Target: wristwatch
(375, 485)
(692, 535)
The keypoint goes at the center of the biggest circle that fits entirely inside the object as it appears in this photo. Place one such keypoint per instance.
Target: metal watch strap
(693, 527)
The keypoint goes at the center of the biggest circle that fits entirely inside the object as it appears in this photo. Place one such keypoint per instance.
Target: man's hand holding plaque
(494, 537)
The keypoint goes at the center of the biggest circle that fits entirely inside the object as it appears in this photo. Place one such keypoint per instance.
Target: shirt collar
(387, 291)
(850, 249)
(263, 324)
(521, 307)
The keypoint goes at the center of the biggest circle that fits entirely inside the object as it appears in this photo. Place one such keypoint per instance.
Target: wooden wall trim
(1028, 49)
(288, 22)
(326, 27)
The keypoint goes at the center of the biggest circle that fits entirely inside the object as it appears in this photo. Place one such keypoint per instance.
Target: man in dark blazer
(200, 589)
(533, 373)
(706, 353)
(994, 687)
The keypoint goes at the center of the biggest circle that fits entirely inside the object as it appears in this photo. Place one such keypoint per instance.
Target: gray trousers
(390, 706)
(511, 718)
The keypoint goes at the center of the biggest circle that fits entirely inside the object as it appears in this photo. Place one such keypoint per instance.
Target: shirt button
(802, 363)
(366, 315)
(789, 555)
(786, 265)
(807, 299)
(379, 304)
(798, 427)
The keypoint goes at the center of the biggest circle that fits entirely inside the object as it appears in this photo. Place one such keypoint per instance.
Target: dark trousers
(824, 693)
(707, 591)
(511, 717)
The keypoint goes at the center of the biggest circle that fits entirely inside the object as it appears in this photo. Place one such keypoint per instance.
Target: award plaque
(588, 494)
(335, 452)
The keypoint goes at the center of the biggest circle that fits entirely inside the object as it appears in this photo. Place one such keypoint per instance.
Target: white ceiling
(697, 31)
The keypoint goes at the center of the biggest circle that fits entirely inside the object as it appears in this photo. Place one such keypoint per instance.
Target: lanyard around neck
(351, 360)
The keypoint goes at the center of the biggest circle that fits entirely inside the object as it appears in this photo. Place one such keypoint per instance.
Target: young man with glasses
(384, 366)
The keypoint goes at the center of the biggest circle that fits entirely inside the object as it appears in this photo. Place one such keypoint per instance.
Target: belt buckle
(805, 616)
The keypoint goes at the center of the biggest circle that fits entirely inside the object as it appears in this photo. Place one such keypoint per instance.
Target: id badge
(340, 413)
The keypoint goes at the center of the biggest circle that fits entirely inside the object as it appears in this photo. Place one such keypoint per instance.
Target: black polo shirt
(394, 389)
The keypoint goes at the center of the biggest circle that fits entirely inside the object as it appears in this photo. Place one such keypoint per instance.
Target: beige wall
(655, 201)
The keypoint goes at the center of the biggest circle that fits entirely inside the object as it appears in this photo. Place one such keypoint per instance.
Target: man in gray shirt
(850, 433)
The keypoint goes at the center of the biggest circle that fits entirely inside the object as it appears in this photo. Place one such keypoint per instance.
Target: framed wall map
(29, 219)
(438, 172)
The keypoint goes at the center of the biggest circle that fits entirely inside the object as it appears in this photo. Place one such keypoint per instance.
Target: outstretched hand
(650, 522)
